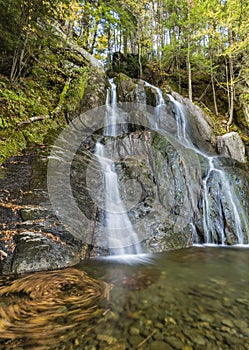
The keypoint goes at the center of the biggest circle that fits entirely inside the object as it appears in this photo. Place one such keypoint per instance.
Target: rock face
(152, 176)
(32, 237)
(231, 145)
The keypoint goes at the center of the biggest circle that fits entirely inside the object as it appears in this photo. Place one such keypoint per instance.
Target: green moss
(76, 88)
(61, 98)
(30, 98)
(15, 140)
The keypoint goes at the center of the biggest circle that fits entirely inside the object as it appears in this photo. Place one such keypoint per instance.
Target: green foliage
(31, 98)
(162, 39)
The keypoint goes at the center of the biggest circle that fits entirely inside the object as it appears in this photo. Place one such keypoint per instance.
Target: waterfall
(207, 221)
(111, 111)
(181, 123)
(159, 94)
(120, 235)
(214, 230)
(220, 208)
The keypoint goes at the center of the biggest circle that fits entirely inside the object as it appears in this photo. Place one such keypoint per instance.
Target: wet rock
(241, 324)
(135, 340)
(227, 322)
(159, 336)
(36, 252)
(159, 325)
(134, 331)
(245, 331)
(231, 340)
(199, 125)
(227, 330)
(242, 301)
(29, 214)
(170, 320)
(206, 318)
(195, 337)
(231, 145)
(107, 338)
(160, 345)
(174, 342)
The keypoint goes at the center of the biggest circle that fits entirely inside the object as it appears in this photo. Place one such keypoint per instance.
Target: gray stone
(36, 252)
(227, 322)
(245, 331)
(134, 331)
(206, 318)
(175, 342)
(241, 323)
(160, 345)
(231, 145)
(135, 340)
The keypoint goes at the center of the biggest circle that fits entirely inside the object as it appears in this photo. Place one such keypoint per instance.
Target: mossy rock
(125, 87)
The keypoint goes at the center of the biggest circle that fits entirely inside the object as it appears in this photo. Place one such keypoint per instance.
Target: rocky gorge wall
(161, 182)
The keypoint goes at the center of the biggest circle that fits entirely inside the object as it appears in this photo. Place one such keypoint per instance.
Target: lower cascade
(119, 232)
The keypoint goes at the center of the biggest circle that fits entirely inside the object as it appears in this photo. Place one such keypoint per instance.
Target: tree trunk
(189, 71)
(214, 95)
(227, 84)
(213, 86)
(18, 62)
(232, 92)
(125, 40)
(139, 58)
(188, 57)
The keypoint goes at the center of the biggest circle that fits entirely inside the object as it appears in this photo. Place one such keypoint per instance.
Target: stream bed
(195, 298)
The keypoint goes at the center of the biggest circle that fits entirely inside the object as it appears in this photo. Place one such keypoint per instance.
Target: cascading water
(120, 235)
(215, 227)
(181, 123)
(118, 229)
(111, 111)
(220, 207)
(207, 221)
(160, 103)
(214, 230)
(159, 94)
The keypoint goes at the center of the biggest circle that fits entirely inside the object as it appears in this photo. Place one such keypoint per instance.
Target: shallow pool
(195, 298)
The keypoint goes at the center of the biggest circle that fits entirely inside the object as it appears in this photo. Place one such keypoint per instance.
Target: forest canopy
(168, 38)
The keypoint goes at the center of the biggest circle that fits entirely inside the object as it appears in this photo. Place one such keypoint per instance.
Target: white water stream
(238, 214)
(111, 111)
(120, 235)
(237, 211)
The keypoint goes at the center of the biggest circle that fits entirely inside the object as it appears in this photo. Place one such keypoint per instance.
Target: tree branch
(34, 119)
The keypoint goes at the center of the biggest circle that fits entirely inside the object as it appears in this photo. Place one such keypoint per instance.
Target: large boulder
(39, 251)
(231, 145)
